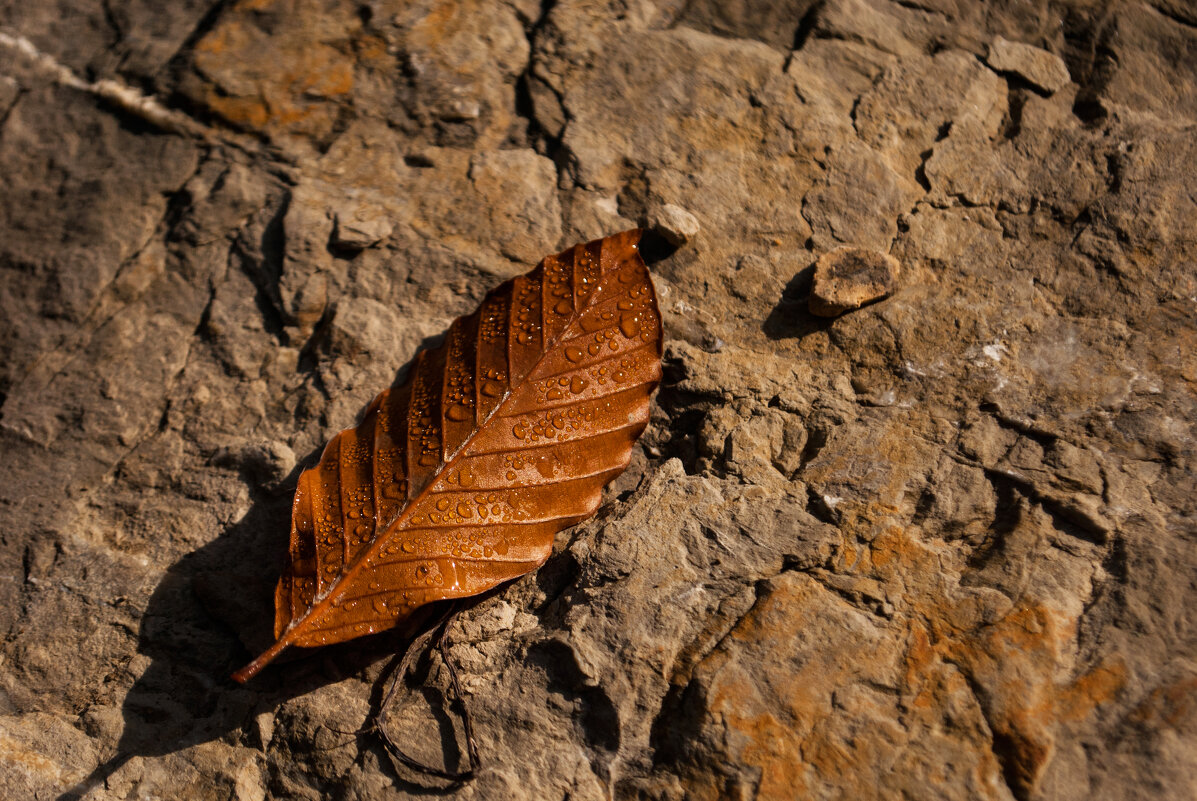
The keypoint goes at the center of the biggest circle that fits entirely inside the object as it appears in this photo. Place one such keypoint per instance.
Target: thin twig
(434, 637)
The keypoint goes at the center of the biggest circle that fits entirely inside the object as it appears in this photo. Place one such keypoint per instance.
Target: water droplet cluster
(389, 476)
(355, 451)
(422, 426)
(475, 543)
(304, 588)
(492, 317)
(559, 290)
(526, 323)
(630, 314)
(427, 575)
(359, 516)
(558, 389)
(628, 367)
(605, 337)
(546, 465)
(553, 424)
(587, 272)
(463, 478)
(494, 382)
(639, 318)
(459, 508)
(327, 525)
(459, 376)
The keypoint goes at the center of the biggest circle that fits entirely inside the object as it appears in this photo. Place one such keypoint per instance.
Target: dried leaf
(457, 480)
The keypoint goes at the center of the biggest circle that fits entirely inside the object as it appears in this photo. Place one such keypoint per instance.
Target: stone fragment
(361, 226)
(866, 21)
(267, 461)
(463, 61)
(363, 326)
(849, 277)
(859, 199)
(1150, 67)
(304, 284)
(1038, 67)
(674, 223)
(917, 100)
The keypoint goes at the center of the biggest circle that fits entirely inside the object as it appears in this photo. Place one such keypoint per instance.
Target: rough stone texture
(1038, 67)
(943, 546)
(848, 278)
(677, 225)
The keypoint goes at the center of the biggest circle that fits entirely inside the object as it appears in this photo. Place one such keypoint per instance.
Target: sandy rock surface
(943, 546)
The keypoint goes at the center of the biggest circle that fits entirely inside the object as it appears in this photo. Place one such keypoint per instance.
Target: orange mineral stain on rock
(289, 75)
(919, 657)
(993, 673)
(894, 551)
(803, 698)
(1170, 705)
(1098, 686)
(774, 748)
(28, 761)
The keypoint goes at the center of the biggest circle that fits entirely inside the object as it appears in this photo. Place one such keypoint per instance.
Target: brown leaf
(457, 480)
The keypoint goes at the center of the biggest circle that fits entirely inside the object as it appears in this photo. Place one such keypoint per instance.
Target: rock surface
(1038, 67)
(848, 278)
(942, 546)
(677, 225)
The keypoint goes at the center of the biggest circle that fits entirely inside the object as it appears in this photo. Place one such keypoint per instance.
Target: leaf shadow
(210, 613)
(213, 609)
(433, 692)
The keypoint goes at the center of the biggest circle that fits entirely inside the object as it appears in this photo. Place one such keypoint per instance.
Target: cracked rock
(361, 227)
(518, 188)
(939, 547)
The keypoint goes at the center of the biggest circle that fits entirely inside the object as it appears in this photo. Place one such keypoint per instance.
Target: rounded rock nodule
(849, 277)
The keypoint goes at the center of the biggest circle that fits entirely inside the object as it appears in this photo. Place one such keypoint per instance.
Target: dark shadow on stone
(782, 24)
(677, 725)
(655, 248)
(209, 615)
(437, 703)
(791, 318)
(594, 713)
(208, 604)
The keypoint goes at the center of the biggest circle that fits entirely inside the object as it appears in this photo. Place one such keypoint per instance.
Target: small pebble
(360, 228)
(268, 461)
(1044, 70)
(849, 277)
(675, 224)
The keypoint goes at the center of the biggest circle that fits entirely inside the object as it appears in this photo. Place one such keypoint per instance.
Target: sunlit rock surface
(942, 546)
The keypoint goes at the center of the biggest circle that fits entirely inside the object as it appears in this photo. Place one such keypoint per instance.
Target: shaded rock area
(943, 546)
